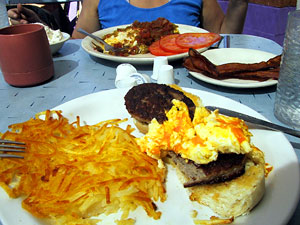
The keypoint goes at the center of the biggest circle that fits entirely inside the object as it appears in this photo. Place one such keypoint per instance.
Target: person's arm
(22, 15)
(88, 18)
(214, 19)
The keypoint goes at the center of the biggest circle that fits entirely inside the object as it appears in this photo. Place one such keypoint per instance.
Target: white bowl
(57, 46)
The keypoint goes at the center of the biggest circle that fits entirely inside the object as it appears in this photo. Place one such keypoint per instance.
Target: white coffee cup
(158, 62)
(166, 75)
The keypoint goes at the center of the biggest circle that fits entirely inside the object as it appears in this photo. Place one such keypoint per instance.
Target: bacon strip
(250, 71)
(260, 75)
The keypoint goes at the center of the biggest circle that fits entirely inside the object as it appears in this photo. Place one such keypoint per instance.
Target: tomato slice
(156, 50)
(168, 43)
(197, 40)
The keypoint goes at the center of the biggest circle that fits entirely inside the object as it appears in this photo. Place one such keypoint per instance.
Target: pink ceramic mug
(25, 56)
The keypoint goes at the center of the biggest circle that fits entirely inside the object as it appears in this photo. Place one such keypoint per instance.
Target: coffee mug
(25, 56)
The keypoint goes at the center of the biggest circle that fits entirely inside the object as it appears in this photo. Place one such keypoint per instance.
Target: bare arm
(22, 15)
(88, 18)
(214, 19)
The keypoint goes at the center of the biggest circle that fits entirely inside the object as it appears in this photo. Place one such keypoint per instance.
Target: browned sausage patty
(147, 101)
(226, 167)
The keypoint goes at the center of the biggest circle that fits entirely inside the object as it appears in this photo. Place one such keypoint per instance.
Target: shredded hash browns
(71, 172)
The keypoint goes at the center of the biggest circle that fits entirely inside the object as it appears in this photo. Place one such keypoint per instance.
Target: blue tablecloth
(77, 74)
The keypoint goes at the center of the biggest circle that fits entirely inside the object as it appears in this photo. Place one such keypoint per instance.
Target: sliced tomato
(168, 43)
(197, 40)
(155, 49)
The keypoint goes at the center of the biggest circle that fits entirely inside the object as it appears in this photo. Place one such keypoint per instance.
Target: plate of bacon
(234, 67)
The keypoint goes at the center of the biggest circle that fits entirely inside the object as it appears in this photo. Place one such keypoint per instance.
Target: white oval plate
(237, 55)
(282, 184)
(135, 59)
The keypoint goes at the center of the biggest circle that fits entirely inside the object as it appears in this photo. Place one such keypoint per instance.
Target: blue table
(78, 74)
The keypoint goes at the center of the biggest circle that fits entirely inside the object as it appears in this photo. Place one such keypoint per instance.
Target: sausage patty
(226, 167)
(150, 100)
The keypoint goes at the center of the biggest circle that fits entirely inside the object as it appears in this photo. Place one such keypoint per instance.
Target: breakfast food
(212, 153)
(71, 173)
(150, 100)
(251, 71)
(238, 196)
(136, 38)
(159, 37)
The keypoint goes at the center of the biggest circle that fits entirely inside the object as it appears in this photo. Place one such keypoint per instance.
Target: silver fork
(11, 146)
(107, 47)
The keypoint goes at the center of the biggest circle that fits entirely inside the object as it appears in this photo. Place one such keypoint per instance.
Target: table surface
(77, 74)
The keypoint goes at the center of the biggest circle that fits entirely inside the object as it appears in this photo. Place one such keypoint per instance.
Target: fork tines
(11, 146)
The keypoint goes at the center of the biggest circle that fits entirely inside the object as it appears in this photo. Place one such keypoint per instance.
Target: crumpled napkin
(127, 76)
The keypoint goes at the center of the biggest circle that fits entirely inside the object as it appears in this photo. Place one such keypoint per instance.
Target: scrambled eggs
(125, 37)
(137, 37)
(199, 140)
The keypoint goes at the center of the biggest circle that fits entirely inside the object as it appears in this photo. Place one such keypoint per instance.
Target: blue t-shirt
(119, 12)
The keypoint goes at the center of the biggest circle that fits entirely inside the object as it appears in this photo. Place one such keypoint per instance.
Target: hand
(22, 15)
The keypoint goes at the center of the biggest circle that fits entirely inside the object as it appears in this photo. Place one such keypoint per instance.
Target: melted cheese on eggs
(200, 140)
(126, 36)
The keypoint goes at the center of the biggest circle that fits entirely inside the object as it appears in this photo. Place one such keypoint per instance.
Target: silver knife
(226, 41)
(255, 121)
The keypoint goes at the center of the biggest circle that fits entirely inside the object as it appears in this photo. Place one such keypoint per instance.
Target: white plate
(282, 185)
(135, 59)
(239, 55)
(57, 46)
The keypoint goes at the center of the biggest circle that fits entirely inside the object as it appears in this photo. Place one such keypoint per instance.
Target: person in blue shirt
(97, 14)
(207, 14)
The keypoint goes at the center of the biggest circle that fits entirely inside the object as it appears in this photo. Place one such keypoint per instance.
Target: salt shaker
(287, 100)
(3, 14)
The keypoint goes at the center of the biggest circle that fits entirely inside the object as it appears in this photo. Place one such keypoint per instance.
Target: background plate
(135, 59)
(238, 55)
(282, 184)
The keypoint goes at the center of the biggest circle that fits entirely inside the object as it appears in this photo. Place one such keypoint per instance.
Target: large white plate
(135, 59)
(282, 185)
(239, 55)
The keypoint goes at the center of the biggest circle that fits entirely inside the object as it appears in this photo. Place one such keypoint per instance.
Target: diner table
(77, 74)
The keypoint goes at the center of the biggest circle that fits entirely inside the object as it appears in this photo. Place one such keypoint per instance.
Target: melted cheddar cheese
(200, 140)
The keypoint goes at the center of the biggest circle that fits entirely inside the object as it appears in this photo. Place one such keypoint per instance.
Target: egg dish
(212, 153)
(137, 37)
(200, 139)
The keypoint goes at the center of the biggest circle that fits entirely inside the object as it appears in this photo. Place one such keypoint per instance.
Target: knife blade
(255, 121)
(226, 41)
